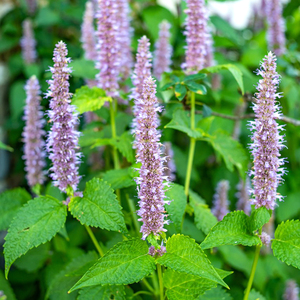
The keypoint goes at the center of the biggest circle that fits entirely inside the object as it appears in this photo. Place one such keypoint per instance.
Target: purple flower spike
(151, 186)
(63, 137)
(169, 164)
(31, 6)
(108, 47)
(88, 38)
(28, 43)
(163, 51)
(243, 196)
(33, 133)
(265, 239)
(267, 142)
(209, 55)
(220, 203)
(291, 291)
(196, 36)
(276, 27)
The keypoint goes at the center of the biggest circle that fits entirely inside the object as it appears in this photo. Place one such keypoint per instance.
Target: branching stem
(94, 240)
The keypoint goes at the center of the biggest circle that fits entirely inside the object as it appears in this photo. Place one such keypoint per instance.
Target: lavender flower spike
(291, 291)
(34, 155)
(276, 27)
(88, 38)
(163, 51)
(108, 47)
(63, 137)
(243, 196)
(220, 203)
(267, 142)
(28, 43)
(150, 182)
(169, 164)
(196, 36)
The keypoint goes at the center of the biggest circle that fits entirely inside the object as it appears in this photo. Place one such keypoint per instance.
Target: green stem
(134, 215)
(148, 286)
(155, 283)
(249, 285)
(93, 238)
(140, 293)
(160, 280)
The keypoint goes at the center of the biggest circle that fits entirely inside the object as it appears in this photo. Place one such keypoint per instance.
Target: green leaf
(180, 91)
(207, 111)
(89, 99)
(175, 193)
(234, 70)
(167, 86)
(17, 98)
(185, 255)
(259, 217)
(115, 292)
(6, 288)
(196, 88)
(47, 17)
(182, 286)
(215, 294)
(5, 147)
(36, 222)
(98, 207)
(126, 263)
(83, 68)
(119, 179)
(254, 295)
(10, 202)
(181, 122)
(124, 145)
(286, 244)
(194, 77)
(232, 230)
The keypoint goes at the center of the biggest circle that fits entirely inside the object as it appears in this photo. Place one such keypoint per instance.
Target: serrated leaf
(232, 230)
(83, 68)
(215, 294)
(196, 88)
(126, 263)
(35, 223)
(194, 77)
(89, 99)
(185, 255)
(124, 145)
(98, 207)
(10, 202)
(5, 147)
(103, 293)
(176, 209)
(258, 218)
(119, 179)
(182, 286)
(180, 91)
(286, 244)
(254, 295)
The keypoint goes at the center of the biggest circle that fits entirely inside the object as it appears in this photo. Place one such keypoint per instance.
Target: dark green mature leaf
(180, 91)
(234, 70)
(232, 230)
(6, 288)
(194, 77)
(126, 263)
(103, 292)
(124, 145)
(176, 209)
(286, 244)
(185, 255)
(258, 218)
(98, 207)
(35, 223)
(17, 97)
(10, 202)
(5, 147)
(215, 294)
(89, 99)
(196, 88)
(182, 286)
(167, 86)
(83, 68)
(119, 179)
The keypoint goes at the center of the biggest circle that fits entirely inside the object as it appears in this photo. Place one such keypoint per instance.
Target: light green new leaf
(175, 193)
(5, 147)
(286, 244)
(258, 218)
(10, 202)
(126, 263)
(215, 294)
(89, 99)
(232, 230)
(119, 179)
(103, 292)
(185, 255)
(35, 223)
(98, 207)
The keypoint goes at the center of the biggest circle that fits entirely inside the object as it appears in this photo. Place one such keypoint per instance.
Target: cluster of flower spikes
(151, 180)
(63, 137)
(220, 202)
(267, 141)
(28, 43)
(197, 36)
(276, 27)
(163, 51)
(88, 38)
(33, 133)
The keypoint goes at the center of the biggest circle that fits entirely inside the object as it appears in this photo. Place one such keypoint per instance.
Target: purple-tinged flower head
(163, 51)
(243, 196)
(125, 33)
(108, 47)
(88, 37)
(196, 36)
(142, 70)
(265, 239)
(159, 252)
(150, 182)
(63, 137)
(169, 165)
(31, 6)
(276, 27)
(209, 51)
(28, 43)
(33, 133)
(267, 141)
(220, 202)
(291, 290)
